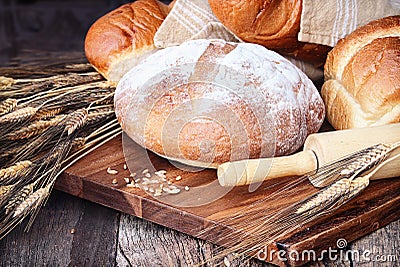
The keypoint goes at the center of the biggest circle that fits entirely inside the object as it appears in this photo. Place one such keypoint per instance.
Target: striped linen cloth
(190, 20)
(325, 22)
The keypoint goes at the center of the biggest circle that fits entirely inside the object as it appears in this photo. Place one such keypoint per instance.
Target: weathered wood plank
(380, 248)
(50, 242)
(142, 243)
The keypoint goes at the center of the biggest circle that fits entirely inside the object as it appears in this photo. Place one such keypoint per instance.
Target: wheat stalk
(18, 198)
(61, 93)
(351, 165)
(35, 128)
(14, 171)
(36, 132)
(78, 143)
(325, 196)
(100, 113)
(6, 82)
(5, 189)
(37, 85)
(56, 154)
(8, 105)
(18, 115)
(76, 120)
(32, 201)
(31, 148)
(45, 113)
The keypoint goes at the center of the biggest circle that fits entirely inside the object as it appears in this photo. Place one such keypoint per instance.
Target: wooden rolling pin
(319, 148)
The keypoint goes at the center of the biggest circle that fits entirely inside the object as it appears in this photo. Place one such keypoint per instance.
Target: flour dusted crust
(206, 102)
(362, 76)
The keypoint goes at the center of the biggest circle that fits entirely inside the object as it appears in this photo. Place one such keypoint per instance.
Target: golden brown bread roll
(271, 23)
(122, 38)
(206, 102)
(362, 76)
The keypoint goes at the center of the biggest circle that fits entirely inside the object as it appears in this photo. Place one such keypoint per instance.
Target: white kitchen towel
(189, 20)
(326, 22)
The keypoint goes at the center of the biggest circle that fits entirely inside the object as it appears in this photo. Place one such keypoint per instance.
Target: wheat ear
(45, 113)
(35, 128)
(350, 166)
(5, 189)
(10, 173)
(325, 196)
(18, 115)
(6, 82)
(32, 201)
(18, 198)
(8, 105)
(76, 120)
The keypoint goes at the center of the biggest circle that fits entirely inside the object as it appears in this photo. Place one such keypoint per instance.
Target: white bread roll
(206, 102)
(123, 37)
(362, 76)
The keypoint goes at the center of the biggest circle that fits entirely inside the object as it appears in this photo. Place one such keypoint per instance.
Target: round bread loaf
(274, 24)
(206, 102)
(122, 38)
(362, 76)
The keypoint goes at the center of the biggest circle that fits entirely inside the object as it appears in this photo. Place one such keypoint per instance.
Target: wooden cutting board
(377, 206)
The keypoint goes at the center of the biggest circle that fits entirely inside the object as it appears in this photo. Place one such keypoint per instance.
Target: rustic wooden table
(73, 232)
(70, 231)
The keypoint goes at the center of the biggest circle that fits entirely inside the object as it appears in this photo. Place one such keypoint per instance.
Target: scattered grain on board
(111, 171)
(174, 191)
(155, 183)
